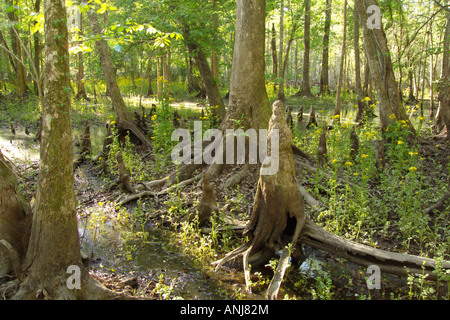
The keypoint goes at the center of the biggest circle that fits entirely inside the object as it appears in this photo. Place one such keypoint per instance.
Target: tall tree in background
(16, 45)
(359, 89)
(124, 120)
(381, 69)
(280, 54)
(444, 83)
(81, 88)
(305, 87)
(324, 85)
(337, 109)
(54, 243)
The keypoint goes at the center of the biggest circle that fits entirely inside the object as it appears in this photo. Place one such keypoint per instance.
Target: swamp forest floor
(151, 248)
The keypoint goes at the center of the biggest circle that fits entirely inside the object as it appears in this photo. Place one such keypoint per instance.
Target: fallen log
(390, 262)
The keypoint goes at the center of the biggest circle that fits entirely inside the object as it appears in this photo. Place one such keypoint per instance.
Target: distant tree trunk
(273, 47)
(359, 89)
(54, 244)
(37, 50)
(337, 109)
(431, 75)
(281, 94)
(210, 84)
(281, 72)
(192, 82)
(124, 119)
(149, 78)
(325, 51)
(305, 87)
(81, 88)
(16, 45)
(381, 70)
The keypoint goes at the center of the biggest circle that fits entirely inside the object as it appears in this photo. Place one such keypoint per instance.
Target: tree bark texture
(324, 85)
(381, 69)
(54, 243)
(248, 99)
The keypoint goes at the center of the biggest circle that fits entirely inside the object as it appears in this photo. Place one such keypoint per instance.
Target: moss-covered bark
(54, 243)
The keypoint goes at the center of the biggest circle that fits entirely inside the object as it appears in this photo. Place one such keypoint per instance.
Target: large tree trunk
(381, 69)
(54, 244)
(248, 97)
(325, 51)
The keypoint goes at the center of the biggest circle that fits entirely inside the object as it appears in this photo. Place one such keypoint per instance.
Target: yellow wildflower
(364, 156)
(421, 118)
(400, 142)
(348, 163)
(413, 169)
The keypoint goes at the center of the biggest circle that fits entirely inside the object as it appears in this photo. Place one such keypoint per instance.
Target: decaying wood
(156, 184)
(354, 144)
(208, 204)
(124, 174)
(300, 115)
(379, 151)
(440, 205)
(322, 148)
(310, 201)
(289, 120)
(107, 147)
(312, 118)
(389, 262)
(237, 178)
(86, 140)
(15, 213)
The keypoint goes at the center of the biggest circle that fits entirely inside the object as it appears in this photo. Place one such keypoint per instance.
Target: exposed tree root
(390, 262)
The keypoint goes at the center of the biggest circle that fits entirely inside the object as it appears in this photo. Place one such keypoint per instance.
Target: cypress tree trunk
(54, 243)
(326, 41)
(305, 88)
(381, 70)
(337, 109)
(124, 119)
(248, 97)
